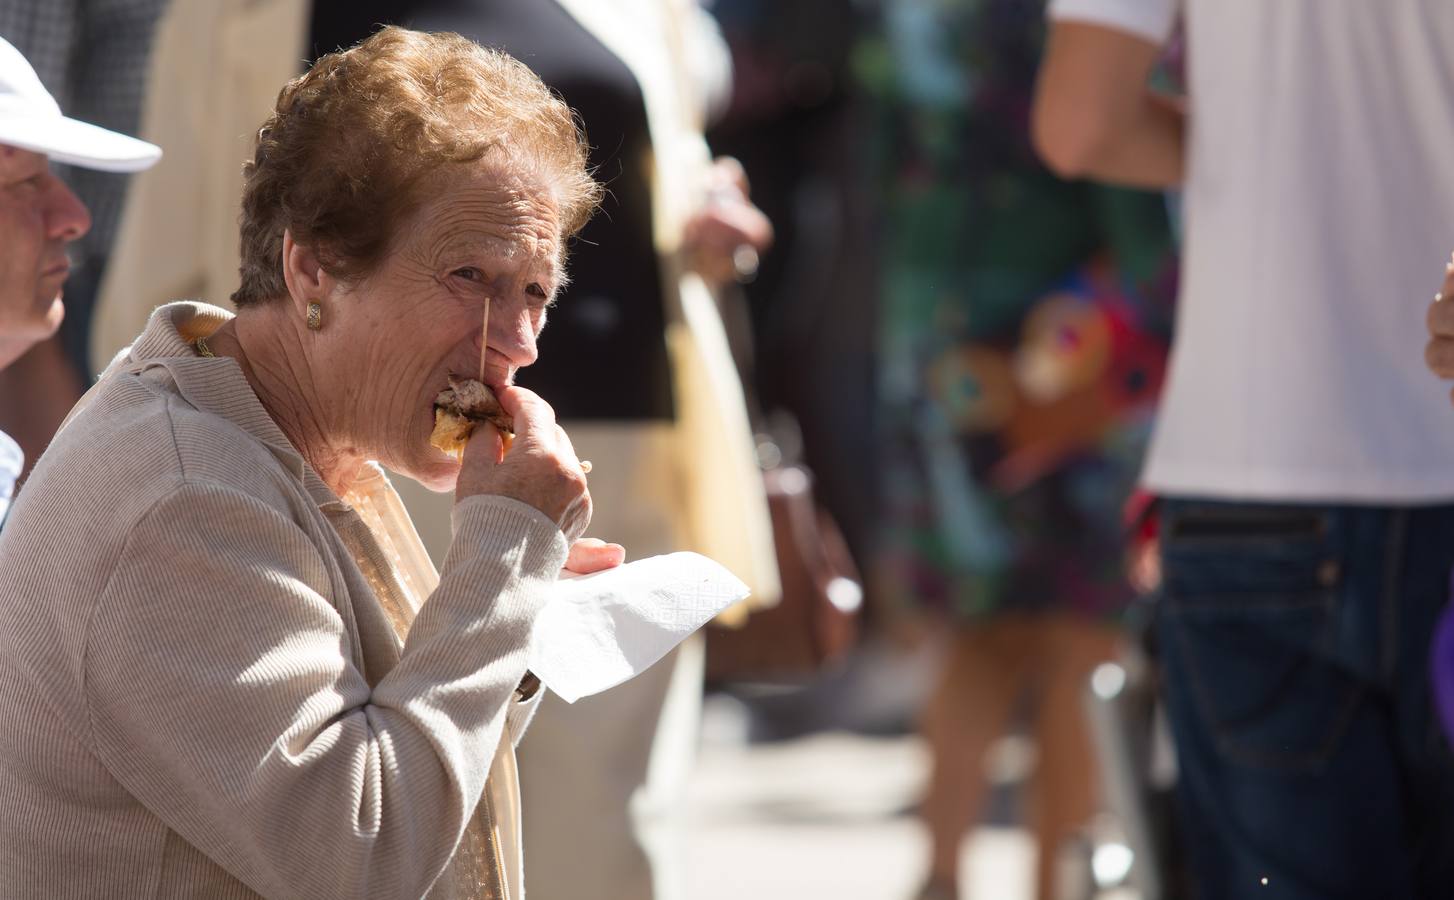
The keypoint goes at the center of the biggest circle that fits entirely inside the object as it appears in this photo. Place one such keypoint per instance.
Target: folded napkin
(599, 630)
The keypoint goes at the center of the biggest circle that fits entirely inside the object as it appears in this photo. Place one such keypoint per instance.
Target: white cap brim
(78, 143)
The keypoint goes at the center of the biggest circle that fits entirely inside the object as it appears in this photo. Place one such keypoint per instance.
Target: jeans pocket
(1250, 605)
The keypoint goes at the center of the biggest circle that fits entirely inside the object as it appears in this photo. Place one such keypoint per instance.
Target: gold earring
(315, 316)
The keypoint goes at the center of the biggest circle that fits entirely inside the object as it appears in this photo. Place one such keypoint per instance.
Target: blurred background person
(41, 218)
(1308, 530)
(796, 124)
(635, 362)
(215, 72)
(91, 55)
(1022, 345)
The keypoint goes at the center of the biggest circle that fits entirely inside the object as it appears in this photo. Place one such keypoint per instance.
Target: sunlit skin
(39, 216)
(1439, 354)
(363, 386)
(726, 222)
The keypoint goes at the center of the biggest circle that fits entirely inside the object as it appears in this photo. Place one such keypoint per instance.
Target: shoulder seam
(168, 400)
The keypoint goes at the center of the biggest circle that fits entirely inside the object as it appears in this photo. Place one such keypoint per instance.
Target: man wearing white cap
(39, 215)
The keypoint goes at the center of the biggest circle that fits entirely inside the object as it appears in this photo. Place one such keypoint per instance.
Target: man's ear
(307, 281)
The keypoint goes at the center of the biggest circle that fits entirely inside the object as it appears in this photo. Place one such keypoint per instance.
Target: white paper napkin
(599, 630)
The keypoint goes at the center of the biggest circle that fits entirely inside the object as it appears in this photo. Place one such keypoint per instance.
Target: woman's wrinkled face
(487, 233)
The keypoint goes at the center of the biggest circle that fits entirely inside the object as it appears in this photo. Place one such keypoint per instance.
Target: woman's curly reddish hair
(345, 155)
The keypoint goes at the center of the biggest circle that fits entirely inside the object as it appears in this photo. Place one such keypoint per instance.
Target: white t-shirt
(11, 462)
(1319, 215)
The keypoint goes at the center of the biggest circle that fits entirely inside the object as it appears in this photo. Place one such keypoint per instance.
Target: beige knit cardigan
(202, 692)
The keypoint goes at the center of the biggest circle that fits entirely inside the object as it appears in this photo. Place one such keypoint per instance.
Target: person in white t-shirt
(39, 215)
(1305, 459)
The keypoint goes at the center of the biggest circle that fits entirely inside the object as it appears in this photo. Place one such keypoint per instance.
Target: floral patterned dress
(1025, 326)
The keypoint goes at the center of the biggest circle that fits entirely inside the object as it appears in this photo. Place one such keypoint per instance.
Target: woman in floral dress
(1023, 342)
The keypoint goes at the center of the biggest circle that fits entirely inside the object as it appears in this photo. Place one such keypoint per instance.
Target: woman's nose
(67, 218)
(516, 338)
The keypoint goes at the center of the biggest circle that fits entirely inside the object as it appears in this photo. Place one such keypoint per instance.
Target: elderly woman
(227, 668)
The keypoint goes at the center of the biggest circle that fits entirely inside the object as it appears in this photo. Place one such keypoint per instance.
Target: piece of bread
(462, 406)
(451, 432)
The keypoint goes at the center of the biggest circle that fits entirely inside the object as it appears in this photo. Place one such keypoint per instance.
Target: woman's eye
(537, 291)
(469, 273)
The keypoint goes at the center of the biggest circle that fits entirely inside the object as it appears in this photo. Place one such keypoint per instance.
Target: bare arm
(36, 393)
(1096, 116)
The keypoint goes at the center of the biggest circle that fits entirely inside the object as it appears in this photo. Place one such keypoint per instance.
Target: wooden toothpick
(484, 338)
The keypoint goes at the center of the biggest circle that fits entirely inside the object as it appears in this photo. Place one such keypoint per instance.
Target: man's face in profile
(39, 216)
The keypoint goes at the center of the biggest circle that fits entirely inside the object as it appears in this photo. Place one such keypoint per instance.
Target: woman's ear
(304, 274)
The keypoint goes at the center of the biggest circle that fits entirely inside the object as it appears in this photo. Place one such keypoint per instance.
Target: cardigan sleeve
(223, 693)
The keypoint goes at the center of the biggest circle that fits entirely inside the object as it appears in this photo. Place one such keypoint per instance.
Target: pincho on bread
(459, 408)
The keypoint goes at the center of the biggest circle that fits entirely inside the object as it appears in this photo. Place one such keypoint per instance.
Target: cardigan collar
(217, 385)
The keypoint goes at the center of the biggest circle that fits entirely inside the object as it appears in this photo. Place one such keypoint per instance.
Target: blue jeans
(1295, 650)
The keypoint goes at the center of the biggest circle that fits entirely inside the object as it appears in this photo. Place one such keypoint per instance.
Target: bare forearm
(1095, 116)
(1148, 150)
(36, 393)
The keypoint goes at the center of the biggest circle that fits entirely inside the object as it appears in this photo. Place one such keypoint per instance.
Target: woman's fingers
(727, 234)
(1439, 352)
(589, 555)
(718, 234)
(727, 171)
(1441, 315)
(534, 419)
(1439, 356)
(726, 226)
(574, 519)
(540, 469)
(568, 450)
(486, 444)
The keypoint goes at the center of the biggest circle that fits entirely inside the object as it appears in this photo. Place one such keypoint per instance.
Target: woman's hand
(1439, 353)
(723, 239)
(589, 555)
(541, 468)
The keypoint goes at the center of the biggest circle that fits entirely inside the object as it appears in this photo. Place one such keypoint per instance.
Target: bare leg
(969, 709)
(1067, 788)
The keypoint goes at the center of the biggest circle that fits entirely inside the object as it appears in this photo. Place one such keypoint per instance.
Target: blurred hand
(540, 469)
(724, 238)
(1142, 519)
(1143, 567)
(1439, 353)
(589, 555)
